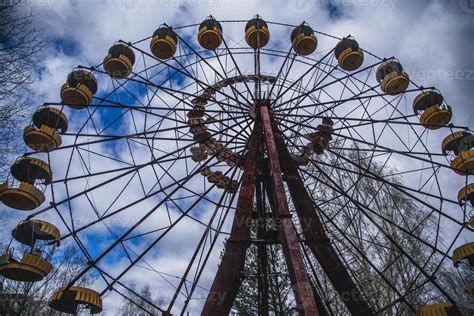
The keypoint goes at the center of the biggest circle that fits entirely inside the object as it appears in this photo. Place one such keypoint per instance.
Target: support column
(299, 277)
(316, 237)
(262, 254)
(228, 277)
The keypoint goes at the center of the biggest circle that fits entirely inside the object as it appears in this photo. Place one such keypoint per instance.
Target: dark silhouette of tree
(20, 47)
(139, 306)
(402, 214)
(280, 293)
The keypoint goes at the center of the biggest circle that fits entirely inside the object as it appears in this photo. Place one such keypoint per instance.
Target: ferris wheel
(177, 143)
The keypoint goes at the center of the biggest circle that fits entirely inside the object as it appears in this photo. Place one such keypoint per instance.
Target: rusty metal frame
(270, 174)
(262, 255)
(303, 292)
(228, 277)
(316, 237)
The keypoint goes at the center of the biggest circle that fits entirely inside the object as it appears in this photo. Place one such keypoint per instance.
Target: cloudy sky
(432, 39)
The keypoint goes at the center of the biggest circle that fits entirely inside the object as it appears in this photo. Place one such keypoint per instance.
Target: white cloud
(427, 38)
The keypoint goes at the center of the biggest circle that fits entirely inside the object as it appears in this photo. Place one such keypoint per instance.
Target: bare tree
(400, 221)
(280, 293)
(139, 306)
(20, 47)
(281, 300)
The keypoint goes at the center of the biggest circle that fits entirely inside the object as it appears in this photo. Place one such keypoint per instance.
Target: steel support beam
(316, 237)
(299, 277)
(228, 277)
(262, 260)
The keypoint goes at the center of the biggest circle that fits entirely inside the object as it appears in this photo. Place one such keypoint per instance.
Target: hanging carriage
(392, 78)
(28, 179)
(348, 53)
(119, 61)
(44, 134)
(210, 33)
(32, 267)
(68, 300)
(164, 43)
(303, 40)
(257, 34)
(79, 89)
(461, 145)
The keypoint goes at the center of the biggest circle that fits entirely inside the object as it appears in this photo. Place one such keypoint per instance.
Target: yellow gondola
(31, 268)
(257, 34)
(21, 194)
(79, 89)
(427, 99)
(436, 116)
(29, 231)
(460, 144)
(463, 164)
(68, 300)
(466, 194)
(30, 169)
(441, 309)
(433, 114)
(303, 40)
(119, 61)
(164, 42)
(42, 139)
(452, 142)
(210, 33)
(348, 54)
(464, 252)
(44, 134)
(23, 197)
(51, 117)
(393, 80)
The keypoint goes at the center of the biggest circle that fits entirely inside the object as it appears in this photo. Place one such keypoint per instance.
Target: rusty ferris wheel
(232, 134)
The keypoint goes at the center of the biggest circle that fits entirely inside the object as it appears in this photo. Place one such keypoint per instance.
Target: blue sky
(432, 39)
